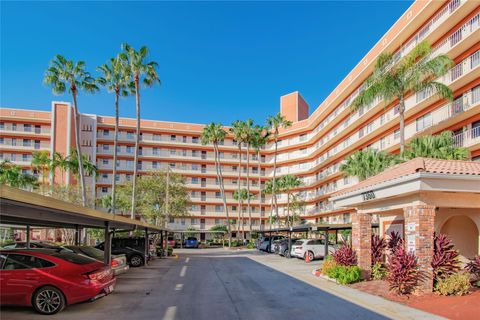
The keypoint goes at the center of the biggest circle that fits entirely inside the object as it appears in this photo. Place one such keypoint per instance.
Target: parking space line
(170, 313)
(187, 259)
(183, 271)
(179, 287)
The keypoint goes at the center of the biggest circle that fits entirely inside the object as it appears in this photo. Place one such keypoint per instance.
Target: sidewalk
(300, 270)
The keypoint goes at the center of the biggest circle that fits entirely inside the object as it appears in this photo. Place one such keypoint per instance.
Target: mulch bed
(452, 307)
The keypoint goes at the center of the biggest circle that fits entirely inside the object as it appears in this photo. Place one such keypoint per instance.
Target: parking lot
(212, 284)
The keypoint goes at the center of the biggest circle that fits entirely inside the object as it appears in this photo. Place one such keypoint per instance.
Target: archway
(464, 234)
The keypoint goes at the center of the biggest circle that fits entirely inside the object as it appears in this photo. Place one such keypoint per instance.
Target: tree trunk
(249, 209)
(239, 187)
(401, 111)
(137, 142)
(115, 142)
(222, 190)
(79, 150)
(274, 182)
(259, 188)
(288, 209)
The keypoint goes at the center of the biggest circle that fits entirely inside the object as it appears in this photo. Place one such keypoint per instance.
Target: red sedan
(50, 279)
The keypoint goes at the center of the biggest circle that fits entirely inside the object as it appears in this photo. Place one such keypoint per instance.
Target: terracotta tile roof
(417, 165)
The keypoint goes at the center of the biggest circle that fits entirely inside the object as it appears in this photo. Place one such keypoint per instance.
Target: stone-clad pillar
(362, 241)
(419, 228)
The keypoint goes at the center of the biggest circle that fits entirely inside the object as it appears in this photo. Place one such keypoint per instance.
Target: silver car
(313, 248)
(265, 243)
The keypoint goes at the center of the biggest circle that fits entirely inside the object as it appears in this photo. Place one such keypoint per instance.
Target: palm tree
(368, 162)
(145, 72)
(41, 161)
(249, 134)
(237, 129)
(392, 80)
(272, 188)
(242, 195)
(12, 175)
(63, 74)
(259, 140)
(115, 78)
(275, 123)
(215, 134)
(440, 146)
(288, 184)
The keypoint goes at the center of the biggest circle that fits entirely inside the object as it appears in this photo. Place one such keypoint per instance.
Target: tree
(241, 196)
(440, 146)
(288, 183)
(249, 136)
(141, 71)
(63, 74)
(41, 161)
(259, 141)
(215, 134)
(393, 81)
(219, 228)
(275, 123)
(152, 197)
(116, 77)
(296, 207)
(238, 129)
(12, 175)
(272, 187)
(369, 162)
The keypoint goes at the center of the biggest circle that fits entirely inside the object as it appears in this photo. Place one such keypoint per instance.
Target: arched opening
(464, 234)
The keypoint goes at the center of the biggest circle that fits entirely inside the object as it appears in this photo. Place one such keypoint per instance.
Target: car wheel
(310, 255)
(136, 261)
(48, 300)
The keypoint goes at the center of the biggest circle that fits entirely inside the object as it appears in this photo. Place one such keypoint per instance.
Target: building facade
(313, 148)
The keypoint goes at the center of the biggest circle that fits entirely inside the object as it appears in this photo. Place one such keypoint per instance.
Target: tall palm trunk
(274, 182)
(239, 187)
(259, 186)
(401, 111)
(288, 209)
(248, 191)
(222, 190)
(79, 148)
(137, 142)
(115, 142)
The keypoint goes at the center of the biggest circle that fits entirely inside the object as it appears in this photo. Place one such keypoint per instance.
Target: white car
(314, 248)
(265, 243)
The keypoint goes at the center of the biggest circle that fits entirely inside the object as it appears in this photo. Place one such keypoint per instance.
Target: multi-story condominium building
(313, 148)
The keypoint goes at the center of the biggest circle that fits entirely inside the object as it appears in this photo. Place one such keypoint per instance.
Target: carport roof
(21, 207)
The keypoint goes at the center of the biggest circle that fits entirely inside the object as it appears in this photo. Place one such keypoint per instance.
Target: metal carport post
(326, 244)
(107, 253)
(147, 246)
(289, 242)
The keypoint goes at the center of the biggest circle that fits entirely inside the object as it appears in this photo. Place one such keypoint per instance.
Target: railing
(467, 138)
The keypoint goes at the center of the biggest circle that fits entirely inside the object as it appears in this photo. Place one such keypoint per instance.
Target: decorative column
(419, 228)
(362, 241)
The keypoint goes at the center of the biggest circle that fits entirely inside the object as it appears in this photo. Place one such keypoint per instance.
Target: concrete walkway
(221, 284)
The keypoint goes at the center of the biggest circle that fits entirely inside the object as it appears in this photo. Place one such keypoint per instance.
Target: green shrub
(345, 275)
(456, 284)
(379, 271)
(250, 245)
(170, 251)
(328, 264)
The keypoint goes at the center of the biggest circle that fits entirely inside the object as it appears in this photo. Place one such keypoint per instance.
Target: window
(157, 137)
(14, 127)
(2, 125)
(2, 141)
(195, 167)
(184, 139)
(424, 122)
(27, 142)
(173, 151)
(105, 176)
(105, 161)
(128, 177)
(27, 127)
(24, 157)
(194, 139)
(21, 261)
(396, 134)
(156, 151)
(104, 189)
(117, 177)
(106, 147)
(194, 221)
(182, 221)
(129, 149)
(155, 165)
(129, 163)
(72, 257)
(218, 208)
(218, 194)
(173, 137)
(194, 180)
(172, 165)
(37, 144)
(129, 135)
(217, 221)
(38, 129)
(106, 133)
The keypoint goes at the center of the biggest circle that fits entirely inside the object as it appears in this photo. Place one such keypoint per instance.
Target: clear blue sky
(219, 61)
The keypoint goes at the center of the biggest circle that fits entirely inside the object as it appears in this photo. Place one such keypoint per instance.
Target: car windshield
(298, 242)
(91, 252)
(192, 239)
(73, 257)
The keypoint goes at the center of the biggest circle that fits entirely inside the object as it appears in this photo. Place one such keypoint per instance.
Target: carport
(183, 232)
(19, 207)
